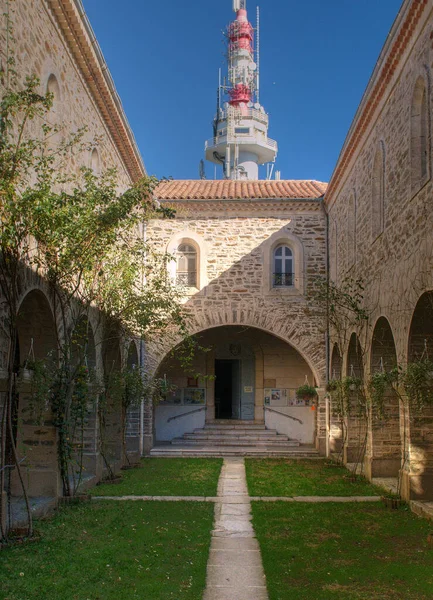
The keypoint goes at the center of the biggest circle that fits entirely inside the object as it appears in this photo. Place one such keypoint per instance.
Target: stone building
(380, 230)
(54, 41)
(248, 254)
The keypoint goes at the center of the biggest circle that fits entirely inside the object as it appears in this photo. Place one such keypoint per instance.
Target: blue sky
(316, 60)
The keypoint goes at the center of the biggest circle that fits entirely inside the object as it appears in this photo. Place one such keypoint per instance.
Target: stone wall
(235, 243)
(389, 246)
(40, 49)
(48, 48)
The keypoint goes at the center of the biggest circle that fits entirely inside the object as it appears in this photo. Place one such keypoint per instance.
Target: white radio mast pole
(258, 55)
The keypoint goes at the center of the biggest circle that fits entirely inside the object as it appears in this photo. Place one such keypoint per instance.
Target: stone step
(246, 443)
(218, 451)
(240, 436)
(245, 439)
(235, 432)
(230, 424)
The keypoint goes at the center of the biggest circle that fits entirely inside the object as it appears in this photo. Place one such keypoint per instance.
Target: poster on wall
(275, 397)
(194, 396)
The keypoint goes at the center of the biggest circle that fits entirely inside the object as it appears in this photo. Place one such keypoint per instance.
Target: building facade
(380, 230)
(249, 255)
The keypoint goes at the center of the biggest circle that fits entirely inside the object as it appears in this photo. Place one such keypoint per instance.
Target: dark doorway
(227, 389)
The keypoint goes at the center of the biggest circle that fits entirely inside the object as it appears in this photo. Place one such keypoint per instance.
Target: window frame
(286, 257)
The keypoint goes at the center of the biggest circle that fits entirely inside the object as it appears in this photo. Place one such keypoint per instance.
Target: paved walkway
(217, 499)
(234, 570)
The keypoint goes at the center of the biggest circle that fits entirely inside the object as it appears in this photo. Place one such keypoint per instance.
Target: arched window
(54, 89)
(95, 163)
(186, 273)
(378, 192)
(351, 231)
(54, 117)
(419, 133)
(283, 275)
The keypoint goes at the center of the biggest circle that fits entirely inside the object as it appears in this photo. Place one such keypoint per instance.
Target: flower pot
(392, 503)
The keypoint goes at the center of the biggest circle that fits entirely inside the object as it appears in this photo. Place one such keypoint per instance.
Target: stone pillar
(259, 398)
(210, 387)
(321, 432)
(148, 427)
(38, 444)
(417, 473)
(356, 430)
(384, 449)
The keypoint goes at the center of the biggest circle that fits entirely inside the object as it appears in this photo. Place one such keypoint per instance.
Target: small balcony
(280, 280)
(186, 278)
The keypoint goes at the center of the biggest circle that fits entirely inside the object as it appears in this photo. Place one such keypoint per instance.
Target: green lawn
(344, 552)
(113, 551)
(283, 477)
(167, 477)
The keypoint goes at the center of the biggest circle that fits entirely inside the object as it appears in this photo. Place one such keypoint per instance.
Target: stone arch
(132, 361)
(198, 243)
(36, 328)
(266, 363)
(420, 132)
(378, 191)
(264, 321)
(420, 343)
(336, 371)
(418, 475)
(36, 436)
(384, 453)
(283, 238)
(336, 426)
(356, 426)
(355, 358)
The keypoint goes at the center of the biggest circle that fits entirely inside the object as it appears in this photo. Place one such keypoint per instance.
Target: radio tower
(240, 142)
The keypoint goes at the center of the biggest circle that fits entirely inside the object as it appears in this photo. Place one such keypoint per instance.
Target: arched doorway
(384, 458)
(35, 433)
(418, 474)
(356, 421)
(133, 416)
(241, 375)
(336, 425)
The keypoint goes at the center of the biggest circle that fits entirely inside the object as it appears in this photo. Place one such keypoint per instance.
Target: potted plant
(306, 392)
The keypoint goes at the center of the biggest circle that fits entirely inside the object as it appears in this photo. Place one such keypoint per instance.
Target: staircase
(234, 438)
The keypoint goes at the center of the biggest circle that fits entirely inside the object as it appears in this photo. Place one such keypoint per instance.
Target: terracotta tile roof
(203, 189)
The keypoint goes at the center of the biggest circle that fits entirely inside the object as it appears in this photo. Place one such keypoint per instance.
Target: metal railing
(284, 415)
(283, 279)
(191, 412)
(241, 139)
(187, 278)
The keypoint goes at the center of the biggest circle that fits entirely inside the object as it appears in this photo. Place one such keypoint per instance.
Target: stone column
(210, 387)
(148, 427)
(321, 421)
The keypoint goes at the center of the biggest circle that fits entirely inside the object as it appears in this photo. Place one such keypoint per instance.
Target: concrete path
(235, 500)
(234, 570)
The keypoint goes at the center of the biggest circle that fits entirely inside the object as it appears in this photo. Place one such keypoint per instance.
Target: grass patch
(167, 477)
(113, 551)
(284, 477)
(345, 552)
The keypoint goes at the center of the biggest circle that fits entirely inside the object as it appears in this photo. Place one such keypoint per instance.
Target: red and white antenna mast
(240, 141)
